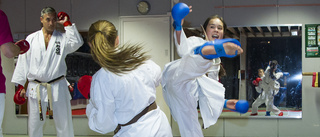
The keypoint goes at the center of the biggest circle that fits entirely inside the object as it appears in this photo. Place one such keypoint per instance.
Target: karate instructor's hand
(71, 89)
(64, 19)
(23, 93)
(24, 46)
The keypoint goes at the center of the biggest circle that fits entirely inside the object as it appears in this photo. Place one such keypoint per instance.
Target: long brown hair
(102, 36)
(205, 24)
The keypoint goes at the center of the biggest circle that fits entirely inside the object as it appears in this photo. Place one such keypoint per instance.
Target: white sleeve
(101, 107)
(213, 72)
(190, 67)
(73, 38)
(22, 66)
(278, 75)
(156, 72)
(258, 89)
(186, 44)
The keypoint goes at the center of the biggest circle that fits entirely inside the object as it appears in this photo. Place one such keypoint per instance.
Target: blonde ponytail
(102, 36)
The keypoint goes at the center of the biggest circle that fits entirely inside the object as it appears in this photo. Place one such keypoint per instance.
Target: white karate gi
(117, 99)
(268, 88)
(260, 99)
(45, 65)
(184, 84)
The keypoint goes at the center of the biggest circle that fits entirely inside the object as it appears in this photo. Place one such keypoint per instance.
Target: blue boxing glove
(218, 46)
(242, 106)
(179, 11)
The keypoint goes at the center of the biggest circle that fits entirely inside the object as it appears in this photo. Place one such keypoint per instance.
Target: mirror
(261, 44)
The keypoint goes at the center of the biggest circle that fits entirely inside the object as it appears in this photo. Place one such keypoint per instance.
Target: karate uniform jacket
(269, 85)
(184, 84)
(116, 99)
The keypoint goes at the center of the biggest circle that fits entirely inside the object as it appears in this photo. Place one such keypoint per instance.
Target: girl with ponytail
(104, 40)
(123, 91)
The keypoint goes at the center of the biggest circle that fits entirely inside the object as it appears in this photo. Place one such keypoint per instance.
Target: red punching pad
(84, 84)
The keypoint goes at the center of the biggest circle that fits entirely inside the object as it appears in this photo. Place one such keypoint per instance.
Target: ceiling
(291, 30)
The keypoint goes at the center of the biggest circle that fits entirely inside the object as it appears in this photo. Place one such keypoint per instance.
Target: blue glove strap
(218, 46)
(176, 26)
(225, 103)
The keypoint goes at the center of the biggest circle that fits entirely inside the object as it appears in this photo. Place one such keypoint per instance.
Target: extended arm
(8, 48)
(74, 39)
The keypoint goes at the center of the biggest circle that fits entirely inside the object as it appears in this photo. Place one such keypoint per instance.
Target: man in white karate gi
(44, 67)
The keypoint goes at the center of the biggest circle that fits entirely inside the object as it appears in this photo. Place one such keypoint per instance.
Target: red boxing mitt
(84, 84)
(17, 99)
(258, 79)
(62, 15)
(256, 82)
(24, 46)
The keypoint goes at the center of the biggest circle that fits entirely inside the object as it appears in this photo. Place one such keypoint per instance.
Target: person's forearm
(10, 49)
(178, 34)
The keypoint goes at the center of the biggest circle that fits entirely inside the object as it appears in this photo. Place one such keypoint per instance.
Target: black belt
(152, 106)
(51, 81)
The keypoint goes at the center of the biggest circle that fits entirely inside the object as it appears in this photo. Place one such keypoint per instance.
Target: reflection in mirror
(265, 44)
(287, 52)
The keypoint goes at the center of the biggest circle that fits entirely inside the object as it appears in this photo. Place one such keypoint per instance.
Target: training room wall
(24, 18)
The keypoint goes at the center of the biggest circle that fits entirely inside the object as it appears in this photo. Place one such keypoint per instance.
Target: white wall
(24, 17)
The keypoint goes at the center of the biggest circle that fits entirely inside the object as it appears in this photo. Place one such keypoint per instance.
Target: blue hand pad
(178, 12)
(176, 26)
(242, 106)
(218, 46)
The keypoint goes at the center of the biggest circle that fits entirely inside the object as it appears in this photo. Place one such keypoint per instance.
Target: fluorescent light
(294, 32)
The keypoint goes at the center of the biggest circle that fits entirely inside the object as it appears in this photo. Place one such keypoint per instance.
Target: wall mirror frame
(261, 44)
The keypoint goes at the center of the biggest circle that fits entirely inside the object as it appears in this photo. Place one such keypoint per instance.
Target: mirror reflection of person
(184, 81)
(43, 65)
(268, 86)
(262, 97)
(10, 50)
(123, 91)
